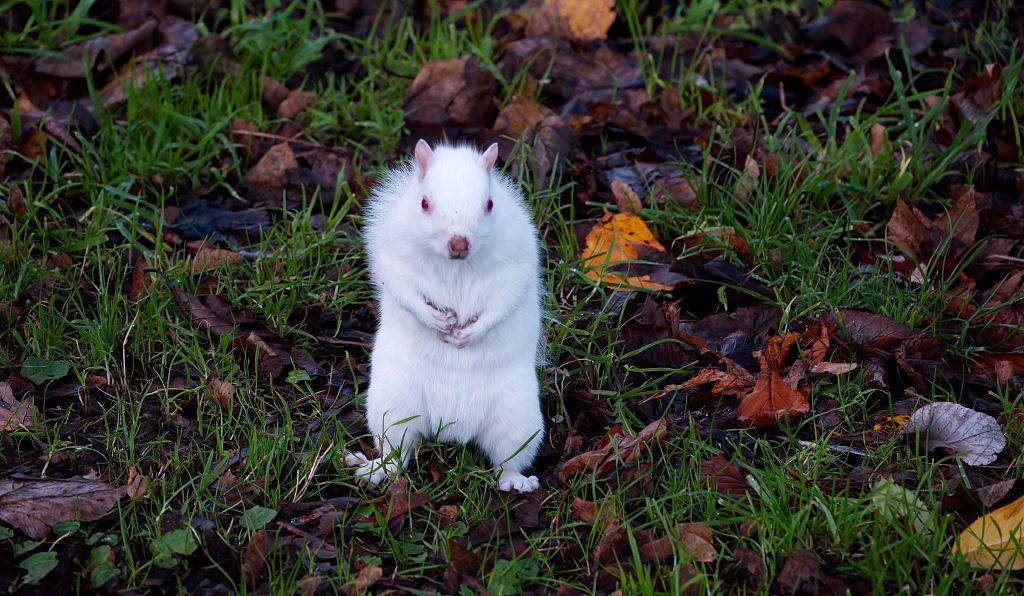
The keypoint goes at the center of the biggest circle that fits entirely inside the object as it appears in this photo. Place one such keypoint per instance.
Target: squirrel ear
(424, 157)
(489, 157)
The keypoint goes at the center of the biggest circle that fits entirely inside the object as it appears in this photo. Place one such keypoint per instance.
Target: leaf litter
(736, 367)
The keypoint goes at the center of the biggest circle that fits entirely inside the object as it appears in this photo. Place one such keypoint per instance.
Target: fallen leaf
(15, 414)
(802, 573)
(695, 539)
(773, 398)
(620, 251)
(626, 198)
(724, 476)
(612, 540)
(458, 92)
(974, 436)
(255, 556)
(993, 493)
(221, 392)
(895, 502)
(78, 60)
(580, 20)
(995, 540)
(208, 257)
(138, 484)
(271, 170)
(748, 180)
(833, 368)
(33, 506)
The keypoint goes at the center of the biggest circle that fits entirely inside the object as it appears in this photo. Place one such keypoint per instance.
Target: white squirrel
(454, 260)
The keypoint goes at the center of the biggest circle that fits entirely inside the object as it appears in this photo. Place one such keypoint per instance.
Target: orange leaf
(613, 247)
(771, 401)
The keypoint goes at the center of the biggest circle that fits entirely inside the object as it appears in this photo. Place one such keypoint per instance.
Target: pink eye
(490, 205)
(425, 204)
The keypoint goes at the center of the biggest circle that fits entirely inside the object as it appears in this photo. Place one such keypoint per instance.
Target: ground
(773, 232)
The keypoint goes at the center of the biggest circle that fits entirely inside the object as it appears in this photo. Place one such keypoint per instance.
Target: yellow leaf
(892, 423)
(995, 540)
(618, 240)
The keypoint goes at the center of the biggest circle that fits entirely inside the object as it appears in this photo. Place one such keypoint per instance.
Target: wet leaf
(34, 506)
(974, 436)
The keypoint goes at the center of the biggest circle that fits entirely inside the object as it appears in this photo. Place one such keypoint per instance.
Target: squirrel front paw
(462, 335)
(444, 319)
(368, 472)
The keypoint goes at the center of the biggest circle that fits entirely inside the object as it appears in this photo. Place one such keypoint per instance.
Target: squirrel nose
(458, 247)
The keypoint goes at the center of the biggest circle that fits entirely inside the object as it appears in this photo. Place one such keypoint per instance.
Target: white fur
(456, 351)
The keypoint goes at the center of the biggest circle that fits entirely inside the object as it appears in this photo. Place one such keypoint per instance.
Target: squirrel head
(454, 203)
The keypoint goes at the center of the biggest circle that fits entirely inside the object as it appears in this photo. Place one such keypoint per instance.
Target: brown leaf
(870, 330)
(626, 198)
(138, 484)
(771, 401)
(364, 580)
(520, 116)
(748, 180)
(274, 93)
(221, 392)
(255, 556)
(695, 539)
(580, 20)
(612, 539)
(724, 476)
(993, 493)
(33, 506)
(620, 450)
(908, 229)
(270, 172)
(879, 139)
(450, 92)
(833, 368)
(15, 414)
(734, 380)
(78, 60)
(175, 38)
(295, 103)
(207, 257)
(750, 562)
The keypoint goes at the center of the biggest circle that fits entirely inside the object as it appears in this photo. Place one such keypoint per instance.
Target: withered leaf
(78, 60)
(580, 20)
(450, 92)
(724, 476)
(15, 414)
(33, 506)
(974, 436)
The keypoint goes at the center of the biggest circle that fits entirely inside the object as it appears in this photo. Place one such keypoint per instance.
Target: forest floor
(785, 309)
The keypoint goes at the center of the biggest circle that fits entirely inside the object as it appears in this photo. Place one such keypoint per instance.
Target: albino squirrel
(454, 260)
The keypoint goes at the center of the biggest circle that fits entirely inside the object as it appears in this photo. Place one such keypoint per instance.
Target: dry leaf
(748, 179)
(580, 20)
(220, 392)
(450, 92)
(33, 506)
(271, 170)
(138, 484)
(207, 257)
(626, 198)
(995, 540)
(15, 414)
(621, 251)
(833, 368)
(974, 436)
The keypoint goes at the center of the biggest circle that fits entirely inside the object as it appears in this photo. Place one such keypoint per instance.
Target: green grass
(104, 206)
